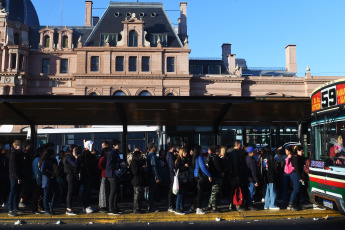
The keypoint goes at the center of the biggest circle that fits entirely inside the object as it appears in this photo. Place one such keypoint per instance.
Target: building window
(119, 63)
(133, 39)
(65, 41)
(195, 69)
(21, 62)
(45, 65)
(145, 93)
(94, 63)
(46, 41)
(132, 64)
(145, 64)
(93, 94)
(214, 69)
(119, 93)
(16, 39)
(13, 61)
(170, 64)
(170, 94)
(112, 39)
(64, 66)
(162, 37)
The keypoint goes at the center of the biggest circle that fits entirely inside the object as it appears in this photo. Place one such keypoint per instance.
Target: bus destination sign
(328, 97)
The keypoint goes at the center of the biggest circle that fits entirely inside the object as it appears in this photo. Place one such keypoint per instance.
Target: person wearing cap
(153, 176)
(252, 177)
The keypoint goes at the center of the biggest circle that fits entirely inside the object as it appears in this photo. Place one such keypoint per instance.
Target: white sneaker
(199, 211)
(266, 208)
(5, 205)
(21, 205)
(171, 209)
(274, 208)
(89, 210)
(318, 207)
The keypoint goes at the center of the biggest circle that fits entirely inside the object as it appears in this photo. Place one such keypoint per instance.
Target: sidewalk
(164, 216)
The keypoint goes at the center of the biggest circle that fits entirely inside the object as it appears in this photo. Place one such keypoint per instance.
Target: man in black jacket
(251, 176)
(15, 177)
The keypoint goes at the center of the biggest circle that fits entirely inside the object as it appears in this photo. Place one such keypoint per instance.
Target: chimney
(95, 20)
(182, 21)
(290, 55)
(88, 13)
(227, 57)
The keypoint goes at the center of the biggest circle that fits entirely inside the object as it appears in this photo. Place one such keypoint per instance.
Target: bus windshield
(328, 142)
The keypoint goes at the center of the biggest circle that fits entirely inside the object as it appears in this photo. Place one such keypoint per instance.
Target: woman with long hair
(182, 165)
(201, 174)
(50, 194)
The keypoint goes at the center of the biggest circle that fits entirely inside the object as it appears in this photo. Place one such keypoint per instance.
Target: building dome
(21, 11)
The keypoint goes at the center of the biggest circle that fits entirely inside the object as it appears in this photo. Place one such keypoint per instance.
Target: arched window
(93, 94)
(170, 94)
(145, 93)
(46, 41)
(64, 41)
(133, 39)
(119, 93)
(6, 90)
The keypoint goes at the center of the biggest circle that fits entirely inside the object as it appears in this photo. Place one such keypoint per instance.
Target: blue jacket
(153, 164)
(113, 163)
(37, 175)
(199, 163)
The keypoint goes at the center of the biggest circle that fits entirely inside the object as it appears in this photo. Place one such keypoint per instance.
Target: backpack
(238, 197)
(288, 169)
(306, 166)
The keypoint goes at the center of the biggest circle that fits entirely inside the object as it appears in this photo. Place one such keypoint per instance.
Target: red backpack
(238, 197)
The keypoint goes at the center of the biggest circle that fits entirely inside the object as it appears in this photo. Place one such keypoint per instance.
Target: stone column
(17, 61)
(3, 61)
(10, 62)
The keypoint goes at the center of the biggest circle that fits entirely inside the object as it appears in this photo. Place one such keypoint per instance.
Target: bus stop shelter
(157, 110)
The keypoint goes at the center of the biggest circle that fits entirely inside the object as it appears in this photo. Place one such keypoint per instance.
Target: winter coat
(215, 166)
(113, 163)
(251, 170)
(171, 158)
(15, 163)
(298, 164)
(137, 170)
(70, 164)
(269, 168)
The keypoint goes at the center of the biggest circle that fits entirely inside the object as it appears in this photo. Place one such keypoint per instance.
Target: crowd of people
(237, 175)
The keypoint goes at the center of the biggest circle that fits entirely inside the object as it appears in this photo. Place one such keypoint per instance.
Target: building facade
(132, 50)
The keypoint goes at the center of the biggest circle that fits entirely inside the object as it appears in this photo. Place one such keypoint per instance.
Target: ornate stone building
(132, 50)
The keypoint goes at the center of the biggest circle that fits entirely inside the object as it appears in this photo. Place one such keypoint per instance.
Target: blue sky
(258, 30)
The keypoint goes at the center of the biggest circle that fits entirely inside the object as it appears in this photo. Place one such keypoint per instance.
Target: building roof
(21, 11)
(155, 18)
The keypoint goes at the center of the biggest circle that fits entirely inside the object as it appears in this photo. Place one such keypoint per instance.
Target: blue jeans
(12, 199)
(271, 195)
(294, 198)
(50, 196)
(179, 199)
(252, 190)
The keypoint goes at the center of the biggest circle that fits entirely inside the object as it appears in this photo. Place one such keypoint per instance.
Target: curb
(101, 218)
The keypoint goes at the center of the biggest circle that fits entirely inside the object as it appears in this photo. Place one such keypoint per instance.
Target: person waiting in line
(252, 177)
(112, 165)
(290, 174)
(201, 174)
(48, 185)
(225, 190)
(26, 169)
(137, 167)
(297, 176)
(71, 162)
(153, 177)
(182, 166)
(4, 176)
(217, 171)
(269, 178)
(37, 192)
(89, 174)
(236, 160)
(280, 159)
(15, 162)
(171, 158)
(104, 187)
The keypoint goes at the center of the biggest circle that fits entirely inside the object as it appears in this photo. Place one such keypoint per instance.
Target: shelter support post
(33, 136)
(122, 114)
